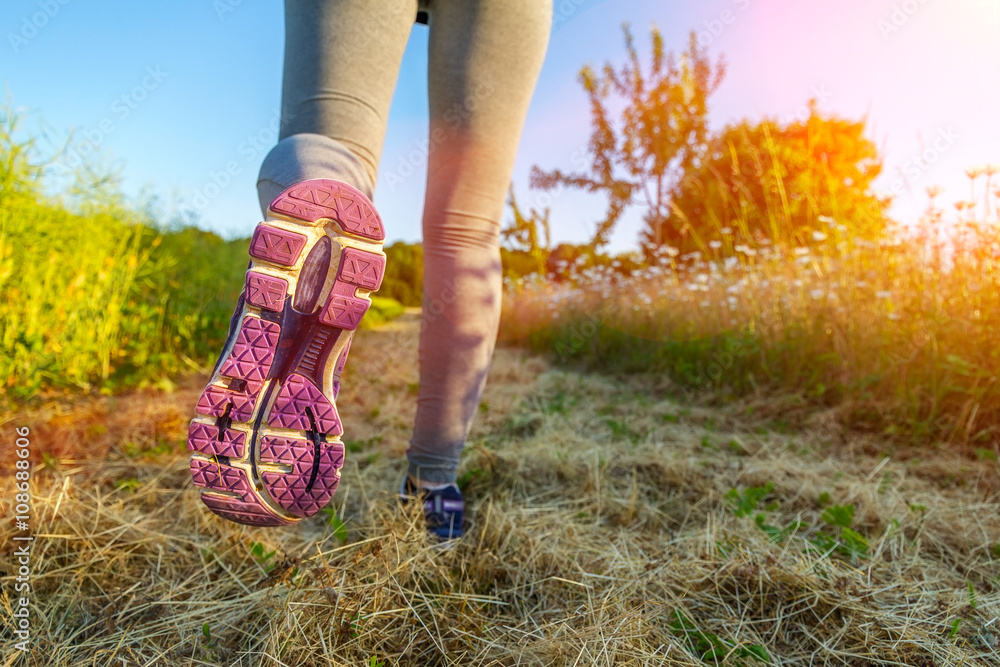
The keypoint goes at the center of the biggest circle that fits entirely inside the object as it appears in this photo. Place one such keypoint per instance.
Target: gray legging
(342, 60)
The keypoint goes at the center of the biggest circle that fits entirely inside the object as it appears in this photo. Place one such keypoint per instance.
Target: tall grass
(898, 336)
(65, 278)
(96, 294)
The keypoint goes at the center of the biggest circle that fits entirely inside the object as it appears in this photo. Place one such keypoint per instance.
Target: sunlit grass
(65, 278)
(97, 294)
(607, 525)
(898, 336)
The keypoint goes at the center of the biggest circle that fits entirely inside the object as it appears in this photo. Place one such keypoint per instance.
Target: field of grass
(756, 455)
(896, 338)
(610, 525)
(97, 296)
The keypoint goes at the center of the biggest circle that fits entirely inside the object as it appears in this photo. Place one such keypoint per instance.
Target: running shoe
(266, 441)
(444, 508)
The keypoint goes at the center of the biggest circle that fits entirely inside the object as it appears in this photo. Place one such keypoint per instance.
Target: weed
(469, 476)
(709, 647)
(745, 502)
(129, 485)
(355, 446)
(262, 557)
(335, 523)
(986, 454)
(851, 544)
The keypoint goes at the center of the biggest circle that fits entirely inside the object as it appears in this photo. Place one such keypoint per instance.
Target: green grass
(96, 296)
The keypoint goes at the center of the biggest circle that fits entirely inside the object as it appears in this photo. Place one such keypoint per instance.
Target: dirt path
(610, 525)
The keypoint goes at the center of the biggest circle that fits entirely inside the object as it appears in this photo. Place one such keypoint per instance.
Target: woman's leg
(342, 60)
(265, 441)
(485, 56)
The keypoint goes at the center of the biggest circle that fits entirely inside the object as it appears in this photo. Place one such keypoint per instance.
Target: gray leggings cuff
(433, 469)
(301, 157)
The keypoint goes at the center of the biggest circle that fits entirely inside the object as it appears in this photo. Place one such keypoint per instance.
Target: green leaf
(839, 515)
(757, 652)
(745, 503)
(854, 543)
(334, 522)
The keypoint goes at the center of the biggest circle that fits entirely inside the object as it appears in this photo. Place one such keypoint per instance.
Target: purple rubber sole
(265, 445)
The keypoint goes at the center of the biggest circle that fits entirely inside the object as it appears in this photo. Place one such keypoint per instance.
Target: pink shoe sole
(266, 446)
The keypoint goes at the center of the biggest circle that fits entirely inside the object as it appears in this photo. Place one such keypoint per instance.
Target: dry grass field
(610, 524)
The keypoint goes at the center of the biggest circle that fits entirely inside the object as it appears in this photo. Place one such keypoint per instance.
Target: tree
(661, 134)
(786, 184)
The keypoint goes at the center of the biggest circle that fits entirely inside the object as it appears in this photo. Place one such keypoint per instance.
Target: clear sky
(172, 93)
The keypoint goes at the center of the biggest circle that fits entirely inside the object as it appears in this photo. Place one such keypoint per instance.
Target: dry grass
(599, 514)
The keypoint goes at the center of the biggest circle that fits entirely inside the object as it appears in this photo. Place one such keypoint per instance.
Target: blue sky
(175, 93)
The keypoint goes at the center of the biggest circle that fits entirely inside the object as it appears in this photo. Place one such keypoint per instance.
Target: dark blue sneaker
(443, 508)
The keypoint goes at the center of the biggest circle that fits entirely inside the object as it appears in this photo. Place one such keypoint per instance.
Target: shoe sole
(266, 444)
